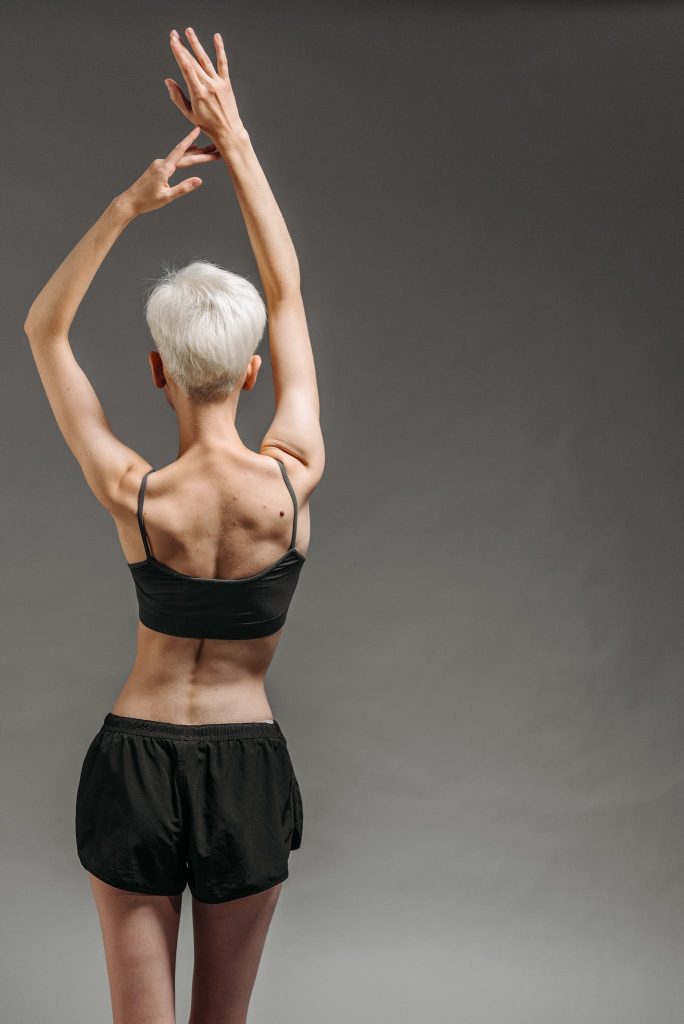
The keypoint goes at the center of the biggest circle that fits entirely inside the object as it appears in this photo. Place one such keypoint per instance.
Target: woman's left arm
(104, 459)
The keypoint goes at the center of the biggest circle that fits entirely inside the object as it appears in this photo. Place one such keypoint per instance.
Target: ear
(252, 373)
(157, 368)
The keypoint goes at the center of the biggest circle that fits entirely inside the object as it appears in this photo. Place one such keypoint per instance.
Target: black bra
(215, 609)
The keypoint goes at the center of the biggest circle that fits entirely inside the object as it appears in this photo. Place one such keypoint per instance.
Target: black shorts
(215, 806)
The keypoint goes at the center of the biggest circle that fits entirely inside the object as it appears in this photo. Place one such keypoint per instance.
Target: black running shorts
(215, 806)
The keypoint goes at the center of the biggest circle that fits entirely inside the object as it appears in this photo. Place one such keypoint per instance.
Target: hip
(194, 771)
(160, 804)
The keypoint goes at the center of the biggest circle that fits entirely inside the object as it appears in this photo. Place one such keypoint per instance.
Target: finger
(200, 52)
(209, 150)
(197, 158)
(193, 74)
(182, 189)
(179, 149)
(221, 59)
(178, 97)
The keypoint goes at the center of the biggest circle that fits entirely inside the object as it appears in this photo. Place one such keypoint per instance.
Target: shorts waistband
(209, 731)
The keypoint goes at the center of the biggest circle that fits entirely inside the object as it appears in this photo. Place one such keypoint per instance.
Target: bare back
(219, 515)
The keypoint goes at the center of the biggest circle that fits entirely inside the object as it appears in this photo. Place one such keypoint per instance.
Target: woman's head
(206, 324)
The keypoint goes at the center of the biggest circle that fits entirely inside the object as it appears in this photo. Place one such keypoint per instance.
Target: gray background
(481, 676)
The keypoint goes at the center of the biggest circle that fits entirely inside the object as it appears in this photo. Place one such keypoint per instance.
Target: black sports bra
(215, 609)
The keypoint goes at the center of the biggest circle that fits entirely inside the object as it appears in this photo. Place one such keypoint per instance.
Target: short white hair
(206, 323)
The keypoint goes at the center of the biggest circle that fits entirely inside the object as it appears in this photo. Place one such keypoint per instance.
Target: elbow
(31, 330)
(31, 324)
(35, 326)
(27, 322)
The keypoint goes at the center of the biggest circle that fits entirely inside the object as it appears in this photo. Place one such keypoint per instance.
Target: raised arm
(104, 459)
(295, 429)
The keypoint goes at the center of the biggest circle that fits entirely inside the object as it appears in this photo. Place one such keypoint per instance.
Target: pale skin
(220, 510)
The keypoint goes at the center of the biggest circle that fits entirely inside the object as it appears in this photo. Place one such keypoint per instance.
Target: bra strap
(294, 501)
(141, 524)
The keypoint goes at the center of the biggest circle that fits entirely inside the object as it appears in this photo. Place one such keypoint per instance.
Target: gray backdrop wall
(481, 677)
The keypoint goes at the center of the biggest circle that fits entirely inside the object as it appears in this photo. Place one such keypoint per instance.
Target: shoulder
(303, 476)
(125, 498)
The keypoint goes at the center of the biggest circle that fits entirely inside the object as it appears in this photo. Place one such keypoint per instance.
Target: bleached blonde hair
(206, 323)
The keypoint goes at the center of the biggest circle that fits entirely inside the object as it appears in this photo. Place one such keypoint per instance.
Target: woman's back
(220, 517)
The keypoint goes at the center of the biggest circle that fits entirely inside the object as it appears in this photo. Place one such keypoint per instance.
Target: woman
(189, 779)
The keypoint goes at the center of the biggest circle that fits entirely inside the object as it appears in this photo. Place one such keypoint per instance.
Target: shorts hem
(128, 886)
(247, 891)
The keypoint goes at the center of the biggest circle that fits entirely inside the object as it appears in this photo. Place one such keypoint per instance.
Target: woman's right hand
(212, 104)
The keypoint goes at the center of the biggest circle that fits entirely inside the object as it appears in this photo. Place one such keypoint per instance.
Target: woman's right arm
(295, 429)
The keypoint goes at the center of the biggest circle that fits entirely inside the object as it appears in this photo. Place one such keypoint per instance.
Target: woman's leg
(140, 936)
(229, 939)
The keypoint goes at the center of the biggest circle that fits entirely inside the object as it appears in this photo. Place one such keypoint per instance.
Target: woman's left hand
(152, 189)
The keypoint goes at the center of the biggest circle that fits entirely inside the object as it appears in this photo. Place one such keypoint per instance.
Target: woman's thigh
(140, 935)
(229, 939)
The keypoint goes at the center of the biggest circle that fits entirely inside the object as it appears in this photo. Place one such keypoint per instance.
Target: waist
(188, 731)
(192, 699)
